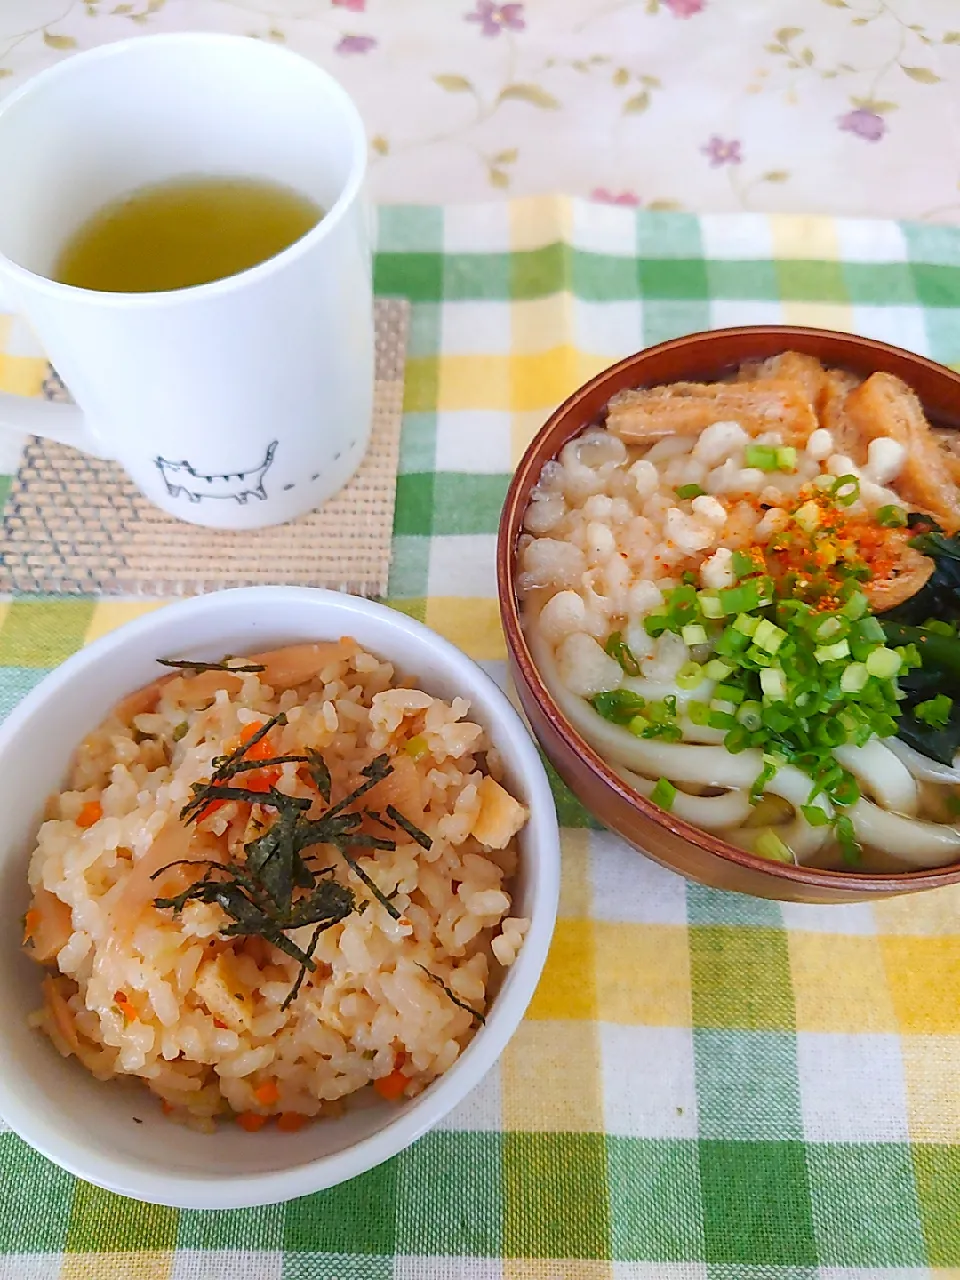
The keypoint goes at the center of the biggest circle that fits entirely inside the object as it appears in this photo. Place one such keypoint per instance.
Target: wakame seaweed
(938, 598)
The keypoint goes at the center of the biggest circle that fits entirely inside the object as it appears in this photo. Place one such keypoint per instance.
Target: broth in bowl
(740, 595)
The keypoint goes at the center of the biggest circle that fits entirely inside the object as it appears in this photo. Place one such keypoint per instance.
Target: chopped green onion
(689, 491)
(740, 599)
(729, 693)
(831, 732)
(749, 715)
(693, 633)
(618, 706)
(746, 624)
(743, 565)
(787, 458)
(808, 516)
(846, 792)
(832, 652)
(664, 794)
(777, 717)
(816, 816)
(690, 676)
(655, 624)
(854, 678)
(710, 605)
(638, 726)
(843, 830)
(935, 711)
(883, 663)
(416, 747)
(768, 636)
(829, 628)
(618, 649)
(774, 684)
(845, 490)
(731, 643)
(721, 720)
(892, 517)
(855, 606)
(769, 845)
(717, 669)
(761, 456)
(698, 712)
(736, 739)
(909, 656)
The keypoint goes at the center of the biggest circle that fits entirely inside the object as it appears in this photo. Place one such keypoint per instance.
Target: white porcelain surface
(87, 1126)
(241, 403)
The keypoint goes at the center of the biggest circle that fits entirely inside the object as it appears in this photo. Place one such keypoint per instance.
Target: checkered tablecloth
(706, 1085)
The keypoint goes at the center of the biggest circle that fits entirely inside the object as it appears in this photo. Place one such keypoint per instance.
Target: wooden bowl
(666, 839)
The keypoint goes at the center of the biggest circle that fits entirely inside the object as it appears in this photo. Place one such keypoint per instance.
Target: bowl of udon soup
(280, 869)
(729, 573)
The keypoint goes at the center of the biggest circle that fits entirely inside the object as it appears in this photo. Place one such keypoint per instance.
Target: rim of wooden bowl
(708, 355)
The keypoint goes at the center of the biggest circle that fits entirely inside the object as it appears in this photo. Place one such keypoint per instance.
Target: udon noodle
(744, 596)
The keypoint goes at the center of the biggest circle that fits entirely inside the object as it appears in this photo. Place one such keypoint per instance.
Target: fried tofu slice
(500, 816)
(226, 998)
(687, 408)
(949, 442)
(885, 406)
(908, 571)
(832, 412)
(790, 366)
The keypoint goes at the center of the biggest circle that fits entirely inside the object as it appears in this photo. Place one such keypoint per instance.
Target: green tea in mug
(184, 232)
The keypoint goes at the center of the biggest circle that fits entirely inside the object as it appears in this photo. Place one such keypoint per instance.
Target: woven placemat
(73, 524)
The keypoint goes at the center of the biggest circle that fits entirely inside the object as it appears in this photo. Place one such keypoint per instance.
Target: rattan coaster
(77, 525)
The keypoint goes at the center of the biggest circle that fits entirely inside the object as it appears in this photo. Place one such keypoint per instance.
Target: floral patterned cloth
(838, 106)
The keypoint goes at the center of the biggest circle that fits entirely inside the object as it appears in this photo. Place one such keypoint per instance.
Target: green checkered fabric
(706, 1085)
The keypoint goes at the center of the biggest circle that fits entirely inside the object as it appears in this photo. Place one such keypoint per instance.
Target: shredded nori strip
(257, 894)
(205, 792)
(461, 1004)
(378, 769)
(377, 893)
(319, 773)
(222, 762)
(185, 664)
(414, 832)
(378, 817)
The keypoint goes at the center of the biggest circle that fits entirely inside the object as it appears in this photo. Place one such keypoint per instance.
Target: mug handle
(61, 422)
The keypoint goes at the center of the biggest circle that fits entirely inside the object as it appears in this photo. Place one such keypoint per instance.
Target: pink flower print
(494, 18)
(355, 6)
(685, 8)
(865, 124)
(625, 198)
(720, 152)
(356, 44)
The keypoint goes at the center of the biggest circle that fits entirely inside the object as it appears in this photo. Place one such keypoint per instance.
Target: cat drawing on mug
(181, 477)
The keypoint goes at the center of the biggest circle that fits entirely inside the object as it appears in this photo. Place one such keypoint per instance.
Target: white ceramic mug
(235, 404)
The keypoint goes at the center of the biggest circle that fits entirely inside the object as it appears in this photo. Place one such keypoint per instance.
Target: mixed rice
(204, 1016)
